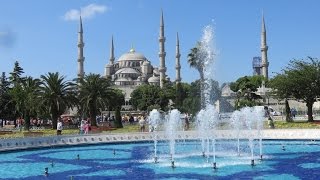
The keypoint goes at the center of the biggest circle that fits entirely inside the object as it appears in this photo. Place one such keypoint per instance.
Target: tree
(15, 77)
(7, 108)
(196, 60)
(25, 97)
(115, 101)
(57, 95)
(302, 81)
(282, 87)
(246, 87)
(95, 93)
(146, 96)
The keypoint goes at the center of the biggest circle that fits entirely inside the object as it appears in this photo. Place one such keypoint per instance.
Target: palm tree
(196, 61)
(95, 93)
(57, 95)
(25, 97)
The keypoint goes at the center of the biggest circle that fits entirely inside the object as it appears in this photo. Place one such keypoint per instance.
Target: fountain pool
(292, 159)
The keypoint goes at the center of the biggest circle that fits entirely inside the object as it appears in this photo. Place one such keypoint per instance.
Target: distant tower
(256, 65)
(80, 51)
(112, 52)
(264, 50)
(109, 68)
(178, 66)
(162, 53)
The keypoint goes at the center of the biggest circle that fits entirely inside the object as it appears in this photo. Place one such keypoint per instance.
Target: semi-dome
(127, 71)
(154, 79)
(123, 79)
(132, 55)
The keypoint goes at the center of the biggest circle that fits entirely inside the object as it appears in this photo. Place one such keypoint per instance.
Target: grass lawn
(296, 125)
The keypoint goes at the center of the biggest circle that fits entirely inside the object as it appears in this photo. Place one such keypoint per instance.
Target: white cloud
(87, 12)
(7, 38)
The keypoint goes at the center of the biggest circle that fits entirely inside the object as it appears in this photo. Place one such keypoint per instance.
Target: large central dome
(132, 55)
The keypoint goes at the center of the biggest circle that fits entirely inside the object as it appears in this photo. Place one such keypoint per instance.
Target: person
(142, 124)
(186, 122)
(131, 119)
(59, 127)
(82, 126)
(267, 115)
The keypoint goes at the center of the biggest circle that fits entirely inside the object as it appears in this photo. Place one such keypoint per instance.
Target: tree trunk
(288, 112)
(54, 117)
(93, 115)
(27, 121)
(309, 113)
(118, 122)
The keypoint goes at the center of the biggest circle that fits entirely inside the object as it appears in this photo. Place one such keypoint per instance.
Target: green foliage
(150, 95)
(25, 97)
(7, 108)
(245, 87)
(301, 80)
(15, 77)
(95, 93)
(57, 95)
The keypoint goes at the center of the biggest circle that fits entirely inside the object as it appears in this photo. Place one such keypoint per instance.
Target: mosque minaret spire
(162, 53)
(80, 51)
(112, 52)
(178, 66)
(264, 50)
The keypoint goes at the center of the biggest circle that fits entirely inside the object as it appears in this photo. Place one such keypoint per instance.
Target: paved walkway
(40, 142)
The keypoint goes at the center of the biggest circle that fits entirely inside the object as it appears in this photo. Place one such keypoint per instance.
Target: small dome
(127, 71)
(132, 55)
(156, 71)
(154, 79)
(146, 63)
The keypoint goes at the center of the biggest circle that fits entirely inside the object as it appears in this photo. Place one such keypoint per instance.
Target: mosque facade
(132, 68)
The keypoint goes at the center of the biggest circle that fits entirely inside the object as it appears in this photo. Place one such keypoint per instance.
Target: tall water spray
(154, 121)
(173, 125)
(208, 116)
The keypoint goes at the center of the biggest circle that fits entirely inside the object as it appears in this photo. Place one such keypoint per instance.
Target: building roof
(132, 55)
(123, 79)
(127, 71)
(154, 79)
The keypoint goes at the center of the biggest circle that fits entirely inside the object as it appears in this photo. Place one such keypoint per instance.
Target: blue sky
(42, 35)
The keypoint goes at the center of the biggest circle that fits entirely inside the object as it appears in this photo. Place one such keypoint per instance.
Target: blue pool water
(297, 160)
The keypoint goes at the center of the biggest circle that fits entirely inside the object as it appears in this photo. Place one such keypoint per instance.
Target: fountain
(247, 122)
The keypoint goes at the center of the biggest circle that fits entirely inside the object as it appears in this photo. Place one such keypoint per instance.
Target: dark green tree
(15, 75)
(146, 96)
(196, 60)
(95, 93)
(57, 95)
(25, 97)
(282, 87)
(302, 78)
(246, 88)
(7, 108)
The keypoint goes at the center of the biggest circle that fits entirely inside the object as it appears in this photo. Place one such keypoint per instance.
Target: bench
(5, 132)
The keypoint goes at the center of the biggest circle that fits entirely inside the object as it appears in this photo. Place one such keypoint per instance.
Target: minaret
(80, 51)
(112, 52)
(264, 50)
(178, 66)
(162, 53)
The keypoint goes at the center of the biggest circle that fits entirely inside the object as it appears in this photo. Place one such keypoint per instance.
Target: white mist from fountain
(237, 125)
(154, 121)
(172, 126)
(208, 116)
